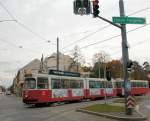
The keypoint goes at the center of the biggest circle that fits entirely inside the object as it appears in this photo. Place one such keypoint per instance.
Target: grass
(122, 100)
(102, 108)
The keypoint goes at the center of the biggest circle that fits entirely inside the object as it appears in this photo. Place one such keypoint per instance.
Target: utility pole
(125, 57)
(105, 85)
(99, 69)
(57, 53)
(122, 20)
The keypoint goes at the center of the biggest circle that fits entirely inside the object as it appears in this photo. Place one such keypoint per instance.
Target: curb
(142, 118)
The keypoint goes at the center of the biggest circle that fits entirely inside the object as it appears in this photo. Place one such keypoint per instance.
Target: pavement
(144, 106)
(12, 109)
(140, 113)
(136, 115)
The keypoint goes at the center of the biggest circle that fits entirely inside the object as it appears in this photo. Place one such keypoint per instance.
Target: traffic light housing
(77, 4)
(87, 6)
(82, 7)
(129, 66)
(108, 74)
(95, 8)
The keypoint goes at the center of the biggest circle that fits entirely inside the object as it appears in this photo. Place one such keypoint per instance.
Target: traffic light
(85, 3)
(130, 66)
(77, 4)
(82, 7)
(87, 6)
(95, 8)
(108, 74)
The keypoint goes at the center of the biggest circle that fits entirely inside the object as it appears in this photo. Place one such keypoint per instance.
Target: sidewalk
(136, 116)
(144, 106)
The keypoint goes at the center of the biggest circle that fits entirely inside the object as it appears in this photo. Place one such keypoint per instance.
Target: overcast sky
(40, 21)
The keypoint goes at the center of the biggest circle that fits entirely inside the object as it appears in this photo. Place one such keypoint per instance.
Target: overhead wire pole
(57, 53)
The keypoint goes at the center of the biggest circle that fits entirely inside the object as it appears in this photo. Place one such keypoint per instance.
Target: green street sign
(129, 20)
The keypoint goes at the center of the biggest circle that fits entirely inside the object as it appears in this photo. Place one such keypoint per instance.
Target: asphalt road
(12, 109)
(144, 106)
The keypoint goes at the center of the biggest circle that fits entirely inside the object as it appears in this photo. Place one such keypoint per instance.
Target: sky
(35, 24)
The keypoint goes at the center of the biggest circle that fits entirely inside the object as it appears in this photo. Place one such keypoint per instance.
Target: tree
(146, 66)
(101, 56)
(138, 72)
(78, 58)
(100, 59)
(116, 68)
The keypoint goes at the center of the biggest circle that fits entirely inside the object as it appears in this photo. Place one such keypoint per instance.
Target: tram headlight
(43, 93)
(26, 96)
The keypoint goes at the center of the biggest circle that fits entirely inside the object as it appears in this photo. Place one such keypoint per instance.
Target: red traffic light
(85, 3)
(95, 8)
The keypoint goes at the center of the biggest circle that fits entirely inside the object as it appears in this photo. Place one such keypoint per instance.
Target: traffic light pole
(108, 21)
(125, 56)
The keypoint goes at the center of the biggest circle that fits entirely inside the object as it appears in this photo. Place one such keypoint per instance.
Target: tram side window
(95, 84)
(56, 84)
(91, 84)
(145, 84)
(109, 85)
(65, 83)
(80, 84)
(119, 84)
(103, 84)
(42, 83)
(76, 84)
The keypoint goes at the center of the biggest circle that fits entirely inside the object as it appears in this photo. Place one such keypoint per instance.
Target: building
(66, 63)
(31, 68)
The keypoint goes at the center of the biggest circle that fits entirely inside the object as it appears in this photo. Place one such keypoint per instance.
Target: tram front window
(30, 83)
(42, 83)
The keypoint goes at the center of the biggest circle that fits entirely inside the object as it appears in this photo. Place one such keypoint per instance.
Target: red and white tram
(44, 88)
(138, 87)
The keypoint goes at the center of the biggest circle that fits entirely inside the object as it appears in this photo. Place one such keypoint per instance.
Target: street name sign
(129, 20)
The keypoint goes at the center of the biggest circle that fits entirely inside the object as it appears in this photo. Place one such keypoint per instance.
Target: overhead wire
(98, 42)
(21, 24)
(100, 29)
(138, 43)
(134, 45)
(17, 46)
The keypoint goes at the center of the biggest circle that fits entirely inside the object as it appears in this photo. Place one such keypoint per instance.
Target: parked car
(1, 93)
(8, 93)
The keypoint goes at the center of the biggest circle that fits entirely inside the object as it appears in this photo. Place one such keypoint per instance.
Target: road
(12, 109)
(145, 106)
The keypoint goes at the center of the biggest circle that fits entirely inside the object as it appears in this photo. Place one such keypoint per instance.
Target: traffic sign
(129, 20)
(130, 102)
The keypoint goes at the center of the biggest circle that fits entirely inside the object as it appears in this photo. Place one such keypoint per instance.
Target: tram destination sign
(129, 20)
(64, 73)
